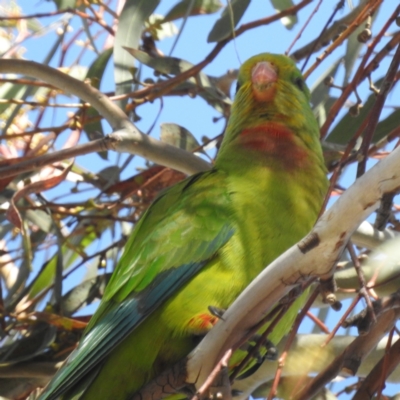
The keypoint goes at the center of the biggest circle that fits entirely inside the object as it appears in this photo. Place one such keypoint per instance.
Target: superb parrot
(205, 239)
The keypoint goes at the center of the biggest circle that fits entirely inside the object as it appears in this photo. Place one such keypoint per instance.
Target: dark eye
(237, 86)
(299, 82)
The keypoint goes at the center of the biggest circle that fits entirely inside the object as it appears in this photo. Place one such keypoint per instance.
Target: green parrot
(205, 239)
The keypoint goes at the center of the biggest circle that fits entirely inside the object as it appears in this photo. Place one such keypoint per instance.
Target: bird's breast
(275, 141)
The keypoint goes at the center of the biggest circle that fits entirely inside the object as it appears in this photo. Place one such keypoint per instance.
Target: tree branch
(314, 256)
(127, 138)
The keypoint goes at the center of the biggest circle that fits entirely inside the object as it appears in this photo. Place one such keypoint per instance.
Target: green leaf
(63, 4)
(159, 29)
(110, 174)
(353, 48)
(200, 7)
(34, 25)
(280, 5)
(31, 90)
(322, 109)
(230, 17)
(130, 27)
(178, 136)
(16, 348)
(86, 236)
(320, 98)
(165, 65)
(174, 66)
(40, 219)
(84, 293)
(94, 130)
(10, 91)
(385, 126)
(348, 125)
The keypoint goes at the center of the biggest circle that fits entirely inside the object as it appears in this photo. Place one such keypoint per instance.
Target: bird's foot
(217, 312)
(271, 353)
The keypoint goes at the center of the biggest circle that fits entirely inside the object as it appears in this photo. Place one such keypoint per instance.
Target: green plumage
(204, 240)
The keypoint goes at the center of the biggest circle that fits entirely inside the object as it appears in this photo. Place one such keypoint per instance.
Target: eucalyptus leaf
(84, 293)
(202, 84)
(77, 243)
(290, 20)
(20, 347)
(63, 4)
(178, 136)
(348, 125)
(94, 130)
(321, 99)
(200, 7)
(40, 218)
(130, 27)
(110, 174)
(230, 17)
(353, 49)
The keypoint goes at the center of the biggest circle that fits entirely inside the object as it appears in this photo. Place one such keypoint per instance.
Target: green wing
(181, 231)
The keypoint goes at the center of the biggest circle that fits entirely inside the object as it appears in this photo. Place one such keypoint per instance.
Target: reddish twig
(377, 109)
(293, 332)
(358, 76)
(214, 374)
(298, 36)
(363, 287)
(318, 322)
(342, 319)
(362, 16)
(349, 360)
(339, 5)
(74, 11)
(373, 381)
(160, 88)
(385, 364)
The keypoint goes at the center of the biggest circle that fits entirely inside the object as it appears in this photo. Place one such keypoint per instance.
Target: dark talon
(272, 351)
(271, 354)
(255, 353)
(217, 312)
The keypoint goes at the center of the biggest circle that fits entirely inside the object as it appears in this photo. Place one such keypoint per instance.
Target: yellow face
(270, 74)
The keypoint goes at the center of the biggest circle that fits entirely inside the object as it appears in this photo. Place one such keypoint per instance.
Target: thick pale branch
(123, 142)
(127, 137)
(315, 256)
(368, 236)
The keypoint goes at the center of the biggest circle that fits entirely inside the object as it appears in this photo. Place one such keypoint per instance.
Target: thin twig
(292, 335)
(377, 109)
(358, 76)
(363, 287)
(339, 5)
(298, 36)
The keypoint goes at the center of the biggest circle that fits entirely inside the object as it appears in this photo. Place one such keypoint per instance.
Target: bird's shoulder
(186, 224)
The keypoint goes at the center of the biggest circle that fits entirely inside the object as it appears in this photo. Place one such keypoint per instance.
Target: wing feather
(182, 230)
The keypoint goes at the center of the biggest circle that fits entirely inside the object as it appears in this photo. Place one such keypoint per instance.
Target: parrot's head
(271, 115)
(272, 84)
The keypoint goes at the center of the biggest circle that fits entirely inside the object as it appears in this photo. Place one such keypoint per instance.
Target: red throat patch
(275, 141)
